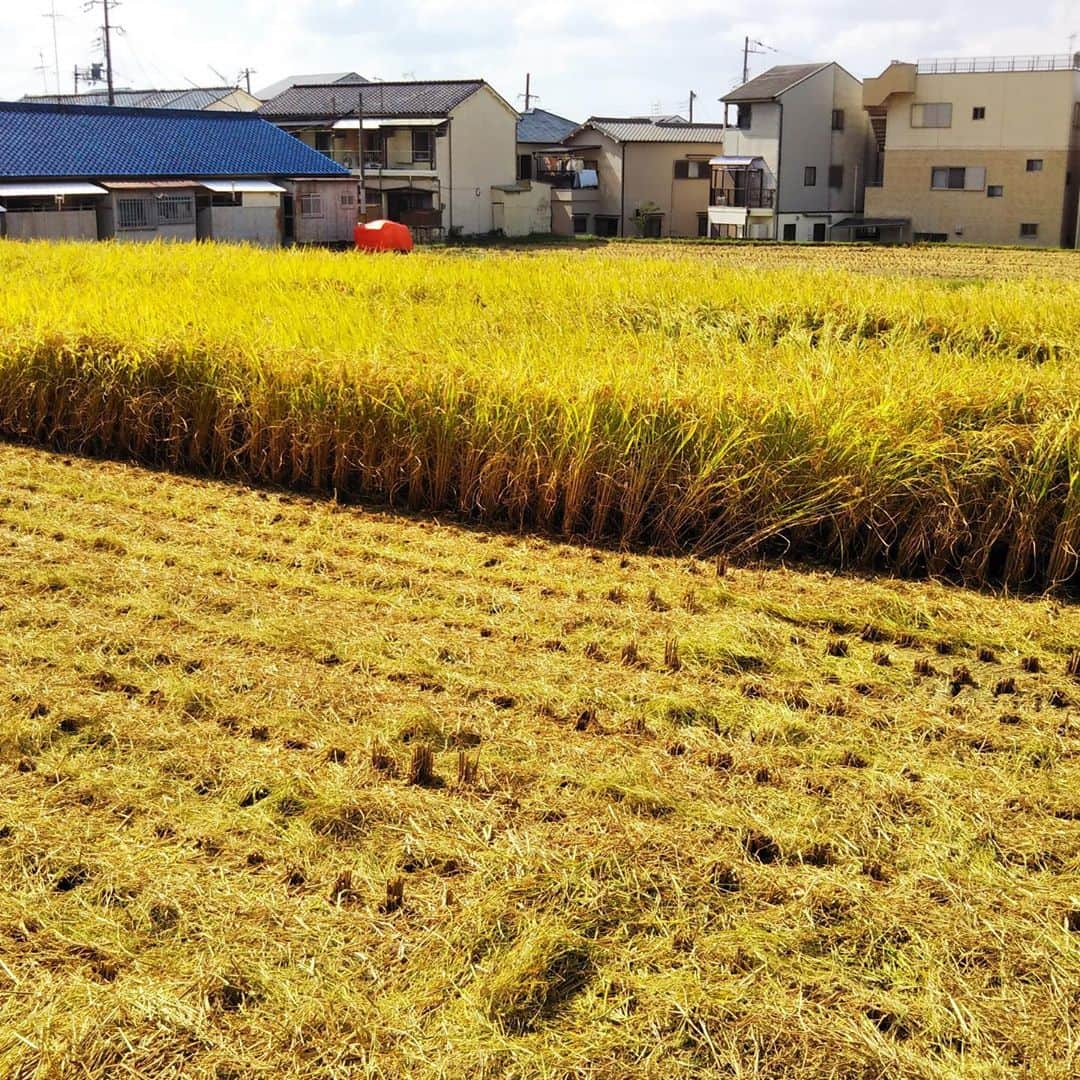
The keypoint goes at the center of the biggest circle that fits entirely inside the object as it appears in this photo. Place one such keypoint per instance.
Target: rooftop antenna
(224, 81)
(55, 44)
(44, 69)
(749, 51)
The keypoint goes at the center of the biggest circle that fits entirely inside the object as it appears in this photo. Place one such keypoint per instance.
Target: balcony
(744, 198)
(569, 179)
(376, 161)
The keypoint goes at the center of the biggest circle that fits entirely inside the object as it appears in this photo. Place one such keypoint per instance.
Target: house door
(789, 230)
(819, 232)
(288, 219)
(406, 199)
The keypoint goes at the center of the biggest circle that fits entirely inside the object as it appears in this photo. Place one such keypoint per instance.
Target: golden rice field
(906, 410)
(295, 790)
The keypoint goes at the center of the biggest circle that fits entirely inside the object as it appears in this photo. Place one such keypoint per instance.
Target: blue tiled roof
(541, 126)
(78, 141)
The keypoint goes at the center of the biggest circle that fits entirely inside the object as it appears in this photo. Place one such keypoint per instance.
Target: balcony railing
(971, 64)
(564, 180)
(374, 160)
(742, 198)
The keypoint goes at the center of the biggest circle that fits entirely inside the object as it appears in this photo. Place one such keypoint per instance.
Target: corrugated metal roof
(191, 98)
(346, 78)
(643, 129)
(774, 82)
(379, 99)
(541, 126)
(88, 143)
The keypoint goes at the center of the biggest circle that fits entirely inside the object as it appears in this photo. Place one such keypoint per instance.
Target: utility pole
(529, 96)
(246, 76)
(106, 40)
(693, 96)
(108, 53)
(747, 52)
(360, 148)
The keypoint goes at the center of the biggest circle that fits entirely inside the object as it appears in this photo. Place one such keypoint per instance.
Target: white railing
(972, 64)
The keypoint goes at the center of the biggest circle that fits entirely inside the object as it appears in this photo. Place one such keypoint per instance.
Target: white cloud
(611, 56)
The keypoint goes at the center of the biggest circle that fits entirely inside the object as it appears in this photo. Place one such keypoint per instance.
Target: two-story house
(438, 156)
(795, 157)
(980, 151)
(634, 176)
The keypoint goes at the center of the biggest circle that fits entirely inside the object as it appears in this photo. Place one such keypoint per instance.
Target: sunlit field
(550, 663)
(815, 403)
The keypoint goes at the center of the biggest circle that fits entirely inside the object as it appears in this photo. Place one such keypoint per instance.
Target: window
(135, 213)
(838, 119)
(324, 141)
(581, 224)
(703, 224)
(311, 206)
(1035, 165)
(176, 209)
(809, 176)
(609, 226)
(1029, 230)
(995, 191)
(423, 147)
(836, 176)
(1076, 114)
(744, 115)
(819, 231)
(789, 230)
(958, 178)
(226, 198)
(978, 112)
(691, 170)
(525, 167)
(348, 198)
(932, 115)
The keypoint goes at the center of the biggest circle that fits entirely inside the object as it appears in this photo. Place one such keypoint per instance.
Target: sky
(602, 57)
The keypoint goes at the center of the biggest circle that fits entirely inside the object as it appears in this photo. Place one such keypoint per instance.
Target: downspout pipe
(779, 172)
(622, 194)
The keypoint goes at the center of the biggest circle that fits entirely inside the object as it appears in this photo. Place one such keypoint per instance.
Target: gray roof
(348, 78)
(646, 129)
(541, 126)
(774, 82)
(191, 98)
(379, 99)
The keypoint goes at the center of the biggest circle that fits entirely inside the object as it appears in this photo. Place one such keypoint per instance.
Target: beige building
(978, 151)
(637, 176)
(438, 156)
(796, 155)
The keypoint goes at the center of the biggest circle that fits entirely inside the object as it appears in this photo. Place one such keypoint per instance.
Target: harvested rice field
(294, 788)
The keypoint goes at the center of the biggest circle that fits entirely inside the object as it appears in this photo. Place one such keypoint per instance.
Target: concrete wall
(763, 138)
(51, 225)
(523, 211)
(337, 220)
(483, 137)
(259, 225)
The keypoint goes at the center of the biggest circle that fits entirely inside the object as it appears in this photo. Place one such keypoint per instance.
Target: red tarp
(383, 236)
